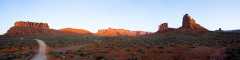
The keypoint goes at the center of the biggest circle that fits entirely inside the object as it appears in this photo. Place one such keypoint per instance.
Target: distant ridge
(76, 31)
(22, 28)
(111, 32)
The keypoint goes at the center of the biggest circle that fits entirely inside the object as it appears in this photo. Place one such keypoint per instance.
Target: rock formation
(138, 33)
(75, 31)
(32, 28)
(27, 29)
(31, 25)
(164, 28)
(189, 25)
(110, 32)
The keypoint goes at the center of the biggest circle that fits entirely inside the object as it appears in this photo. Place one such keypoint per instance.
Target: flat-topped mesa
(189, 25)
(31, 25)
(164, 28)
(27, 29)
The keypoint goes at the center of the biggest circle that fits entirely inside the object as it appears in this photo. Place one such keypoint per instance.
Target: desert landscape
(119, 30)
(191, 41)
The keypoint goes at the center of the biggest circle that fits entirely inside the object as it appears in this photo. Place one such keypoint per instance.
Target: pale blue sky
(144, 15)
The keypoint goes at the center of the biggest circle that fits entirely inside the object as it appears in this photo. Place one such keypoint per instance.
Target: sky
(142, 15)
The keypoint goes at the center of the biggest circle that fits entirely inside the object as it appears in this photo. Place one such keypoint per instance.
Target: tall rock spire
(189, 24)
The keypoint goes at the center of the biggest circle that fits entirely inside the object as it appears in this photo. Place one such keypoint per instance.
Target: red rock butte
(28, 29)
(164, 28)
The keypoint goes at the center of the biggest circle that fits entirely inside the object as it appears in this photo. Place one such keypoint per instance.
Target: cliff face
(31, 25)
(27, 29)
(75, 31)
(189, 24)
(119, 32)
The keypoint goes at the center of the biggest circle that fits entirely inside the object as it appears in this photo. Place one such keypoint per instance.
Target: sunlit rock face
(110, 32)
(189, 25)
(27, 29)
(31, 25)
(76, 31)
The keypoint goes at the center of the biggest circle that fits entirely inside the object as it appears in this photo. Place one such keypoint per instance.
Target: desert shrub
(100, 58)
(233, 53)
(81, 53)
(56, 53)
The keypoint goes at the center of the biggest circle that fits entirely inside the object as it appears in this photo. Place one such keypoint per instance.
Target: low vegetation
(167, 46)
